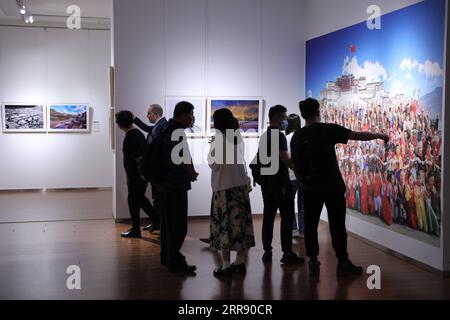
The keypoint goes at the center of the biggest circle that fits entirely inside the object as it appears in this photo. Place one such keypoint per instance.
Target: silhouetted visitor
(133, 151)
(231, 215)
(298, 224)
(174, 190)
(155, 116)
(277, 189)
(314, 157)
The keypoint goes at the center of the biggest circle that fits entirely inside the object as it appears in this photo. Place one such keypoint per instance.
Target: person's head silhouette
(310, 109)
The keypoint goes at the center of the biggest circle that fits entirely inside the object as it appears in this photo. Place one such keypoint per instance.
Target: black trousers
(157, 205)
(275, 198)
(336, 207)
(173, 226)
(137, 201)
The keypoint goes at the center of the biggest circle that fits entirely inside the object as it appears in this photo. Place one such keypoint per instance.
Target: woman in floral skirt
(231, 218)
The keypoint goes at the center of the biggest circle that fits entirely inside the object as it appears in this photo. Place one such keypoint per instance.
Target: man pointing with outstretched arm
(314, 156)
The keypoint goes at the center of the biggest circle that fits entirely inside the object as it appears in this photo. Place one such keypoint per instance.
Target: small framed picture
(23, 118)
(68, 118)
(247, 110)
(199, 127)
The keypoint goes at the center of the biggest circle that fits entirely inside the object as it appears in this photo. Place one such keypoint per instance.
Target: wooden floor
(34, 258)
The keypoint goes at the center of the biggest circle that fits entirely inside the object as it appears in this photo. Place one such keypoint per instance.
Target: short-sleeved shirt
(314, 156)
(281, 177)
(133, 148)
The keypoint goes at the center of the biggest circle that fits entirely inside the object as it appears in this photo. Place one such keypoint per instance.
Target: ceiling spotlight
(25, 14)
(28, 18)
(20, 4)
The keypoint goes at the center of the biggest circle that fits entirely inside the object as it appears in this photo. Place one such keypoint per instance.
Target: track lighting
(25, 14)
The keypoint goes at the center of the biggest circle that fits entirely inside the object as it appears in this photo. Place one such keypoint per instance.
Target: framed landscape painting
(68, 118)
(248, 111)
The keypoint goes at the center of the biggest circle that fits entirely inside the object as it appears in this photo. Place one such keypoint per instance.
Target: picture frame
(24, 118)
(199, 103)
(247, 110)
(68, 117)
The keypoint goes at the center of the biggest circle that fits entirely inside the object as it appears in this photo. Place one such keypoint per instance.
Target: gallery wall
(40, 65)
(328, 16)
(206, 48)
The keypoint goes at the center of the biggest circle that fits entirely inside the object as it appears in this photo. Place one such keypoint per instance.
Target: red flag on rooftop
(352, 48)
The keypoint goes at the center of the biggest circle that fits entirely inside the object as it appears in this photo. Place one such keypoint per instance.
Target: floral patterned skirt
(231, 220)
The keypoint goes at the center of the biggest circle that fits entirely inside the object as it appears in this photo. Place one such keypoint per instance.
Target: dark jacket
(177, 178)
(152, 131)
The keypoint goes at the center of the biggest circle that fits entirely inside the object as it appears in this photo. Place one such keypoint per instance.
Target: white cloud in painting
(373, 71)
(429, 68)
(408, 64)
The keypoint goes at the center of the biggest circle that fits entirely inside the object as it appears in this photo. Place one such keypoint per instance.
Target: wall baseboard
(412, 261)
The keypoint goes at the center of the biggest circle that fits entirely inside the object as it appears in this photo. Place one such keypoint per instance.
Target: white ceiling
(89, 8)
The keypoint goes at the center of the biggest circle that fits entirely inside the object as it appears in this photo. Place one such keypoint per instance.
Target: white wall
(40, 65)
(206, 48)
(325, 16)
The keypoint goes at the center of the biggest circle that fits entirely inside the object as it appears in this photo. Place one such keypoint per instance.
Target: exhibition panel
(389, 78)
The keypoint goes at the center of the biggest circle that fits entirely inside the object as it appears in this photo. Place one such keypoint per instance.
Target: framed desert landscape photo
(18, 118)
(199, 128)
(247, 110)
(68, 118)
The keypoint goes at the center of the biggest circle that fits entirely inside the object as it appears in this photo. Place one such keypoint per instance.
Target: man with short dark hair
(315, 162)
(174, 189)
(133, 151)
(155, 116)
(277, 189)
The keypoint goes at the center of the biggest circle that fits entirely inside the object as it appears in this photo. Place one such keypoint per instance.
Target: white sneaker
(295, 234)
(301, 235)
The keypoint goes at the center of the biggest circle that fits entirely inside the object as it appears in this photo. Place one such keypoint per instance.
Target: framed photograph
(23, 118)
(68, 118)
(248, 111)
(199, 128)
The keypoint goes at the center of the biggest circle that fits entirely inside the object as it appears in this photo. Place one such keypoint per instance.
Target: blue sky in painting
(407, 53)
(71, 109)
